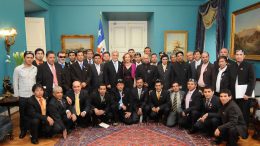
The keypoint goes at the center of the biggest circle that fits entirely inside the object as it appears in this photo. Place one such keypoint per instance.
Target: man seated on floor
(191, 106)
(176, 96)
(60, 112)
(101, 105)
(160, 103)
(123, 104)
(233, 121)
(80, 104)
(140, 96)
(40, 122)
(210, 120)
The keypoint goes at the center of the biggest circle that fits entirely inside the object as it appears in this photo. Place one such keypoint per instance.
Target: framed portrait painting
(77, 42)
(245, 33)
(175, 41)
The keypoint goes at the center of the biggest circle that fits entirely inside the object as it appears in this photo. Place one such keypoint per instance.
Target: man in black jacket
(160, 103)
(233, 122)
(97, 69)
(191, 106)
(60, 112)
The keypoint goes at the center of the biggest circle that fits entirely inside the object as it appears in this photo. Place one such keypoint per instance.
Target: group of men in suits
(88, 91)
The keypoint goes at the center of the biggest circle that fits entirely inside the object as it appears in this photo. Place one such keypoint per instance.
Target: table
(9, 102)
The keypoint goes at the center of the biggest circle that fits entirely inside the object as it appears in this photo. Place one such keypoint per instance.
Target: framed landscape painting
(77, 42)
(175, 41)
(245, 33)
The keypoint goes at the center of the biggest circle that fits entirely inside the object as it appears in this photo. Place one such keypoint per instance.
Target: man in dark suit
(205, 72)
(159, 103)
(80, 104)
(40, 121)
(61, 56)
(194, 65)
(243, 73)
(113, 71)
(181, 71)
(140, 96)
(224, 52)
(101, 106)
(221, 79)
(88, 55)
(81, 71)
(191, 105)
(60, 112)
(210, 120)
(97, 73)
(147, 72)
(165, 72)
(39, 55)
(49, 74)
(233, 122)
(124, 105)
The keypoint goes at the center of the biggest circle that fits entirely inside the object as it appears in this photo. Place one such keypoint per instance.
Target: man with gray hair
(189, 57)
(60, 112)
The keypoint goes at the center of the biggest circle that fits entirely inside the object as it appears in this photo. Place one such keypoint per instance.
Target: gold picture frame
(175, 40)
(77, 42)
(245, 29)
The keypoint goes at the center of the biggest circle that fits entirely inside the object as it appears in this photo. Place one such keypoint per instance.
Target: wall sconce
(9, 34)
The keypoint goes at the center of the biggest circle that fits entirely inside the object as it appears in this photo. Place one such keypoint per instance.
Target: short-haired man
(39, 55)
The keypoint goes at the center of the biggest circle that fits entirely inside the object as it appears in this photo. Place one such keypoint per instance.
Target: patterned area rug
(139, 134)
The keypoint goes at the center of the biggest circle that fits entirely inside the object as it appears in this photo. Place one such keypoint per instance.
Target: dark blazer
(246, 76)
(45, 78)
(110, 74)
(96, 79)
(84, 101)
(194, 70)
(57, 110)
(66, 77)
(139, 102)
(230, 63)
(208, 74)
(165, 77)
(232, 117)
(181, 73)
(105, 105)
(195, 102)
(82, 75)
(127, 101)
(148, 73)
(34, 110)
(225, 79)
(212, 107)
(163, 102)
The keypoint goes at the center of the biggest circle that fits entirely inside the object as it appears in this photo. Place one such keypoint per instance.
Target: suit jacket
(96, 79)
(66, 77)
(208, 74)
(194, 70)
(105, 105)
(195, 102)
(34, 110)
(212, 107)
(181, 73)
(232, 117)
(45, 78)
(148, 73)
(84, 101)
(165, 77)
(139, 102)
(110, 74)
(246, 76)
(57, 110)
(127, 101)
(82, 75)
(163, 102)
(230, 64)
(224, 81)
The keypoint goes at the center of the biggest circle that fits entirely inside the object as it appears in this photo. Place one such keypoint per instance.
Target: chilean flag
(101, 48)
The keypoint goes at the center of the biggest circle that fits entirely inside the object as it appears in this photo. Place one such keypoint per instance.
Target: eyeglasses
(62, 56)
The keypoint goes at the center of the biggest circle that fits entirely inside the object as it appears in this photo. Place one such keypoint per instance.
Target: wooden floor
(43, 142)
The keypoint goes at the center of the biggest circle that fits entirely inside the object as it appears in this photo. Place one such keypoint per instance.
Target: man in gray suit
(176, 96)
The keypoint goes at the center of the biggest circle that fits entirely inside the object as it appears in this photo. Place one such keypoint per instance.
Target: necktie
(77, 105)
(121, 100)
(81, 66)
(61, 103)
(174, 103)
(55, 81)
(158, 95)
(207, 103)
(102, 98)
(43, 110)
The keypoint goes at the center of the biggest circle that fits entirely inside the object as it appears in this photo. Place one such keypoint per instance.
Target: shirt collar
(191, 92)
(223, 69)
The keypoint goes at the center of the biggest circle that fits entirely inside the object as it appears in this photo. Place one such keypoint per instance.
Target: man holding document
(243, 83)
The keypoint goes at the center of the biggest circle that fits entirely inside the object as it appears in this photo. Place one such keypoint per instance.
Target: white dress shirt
(97, 68)
(220, 71)
(188, 98)
(115, 65)
(197, 63)
(201, 82)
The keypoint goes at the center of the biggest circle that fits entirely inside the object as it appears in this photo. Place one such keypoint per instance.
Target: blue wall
(232, 6)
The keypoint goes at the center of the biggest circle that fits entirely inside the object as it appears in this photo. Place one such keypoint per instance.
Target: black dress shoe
(192, 131)
(22, 134)
(34, 141)
(217, 141)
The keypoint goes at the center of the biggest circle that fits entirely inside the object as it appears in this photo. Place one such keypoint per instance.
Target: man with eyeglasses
(65, 70)
(24, 78)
